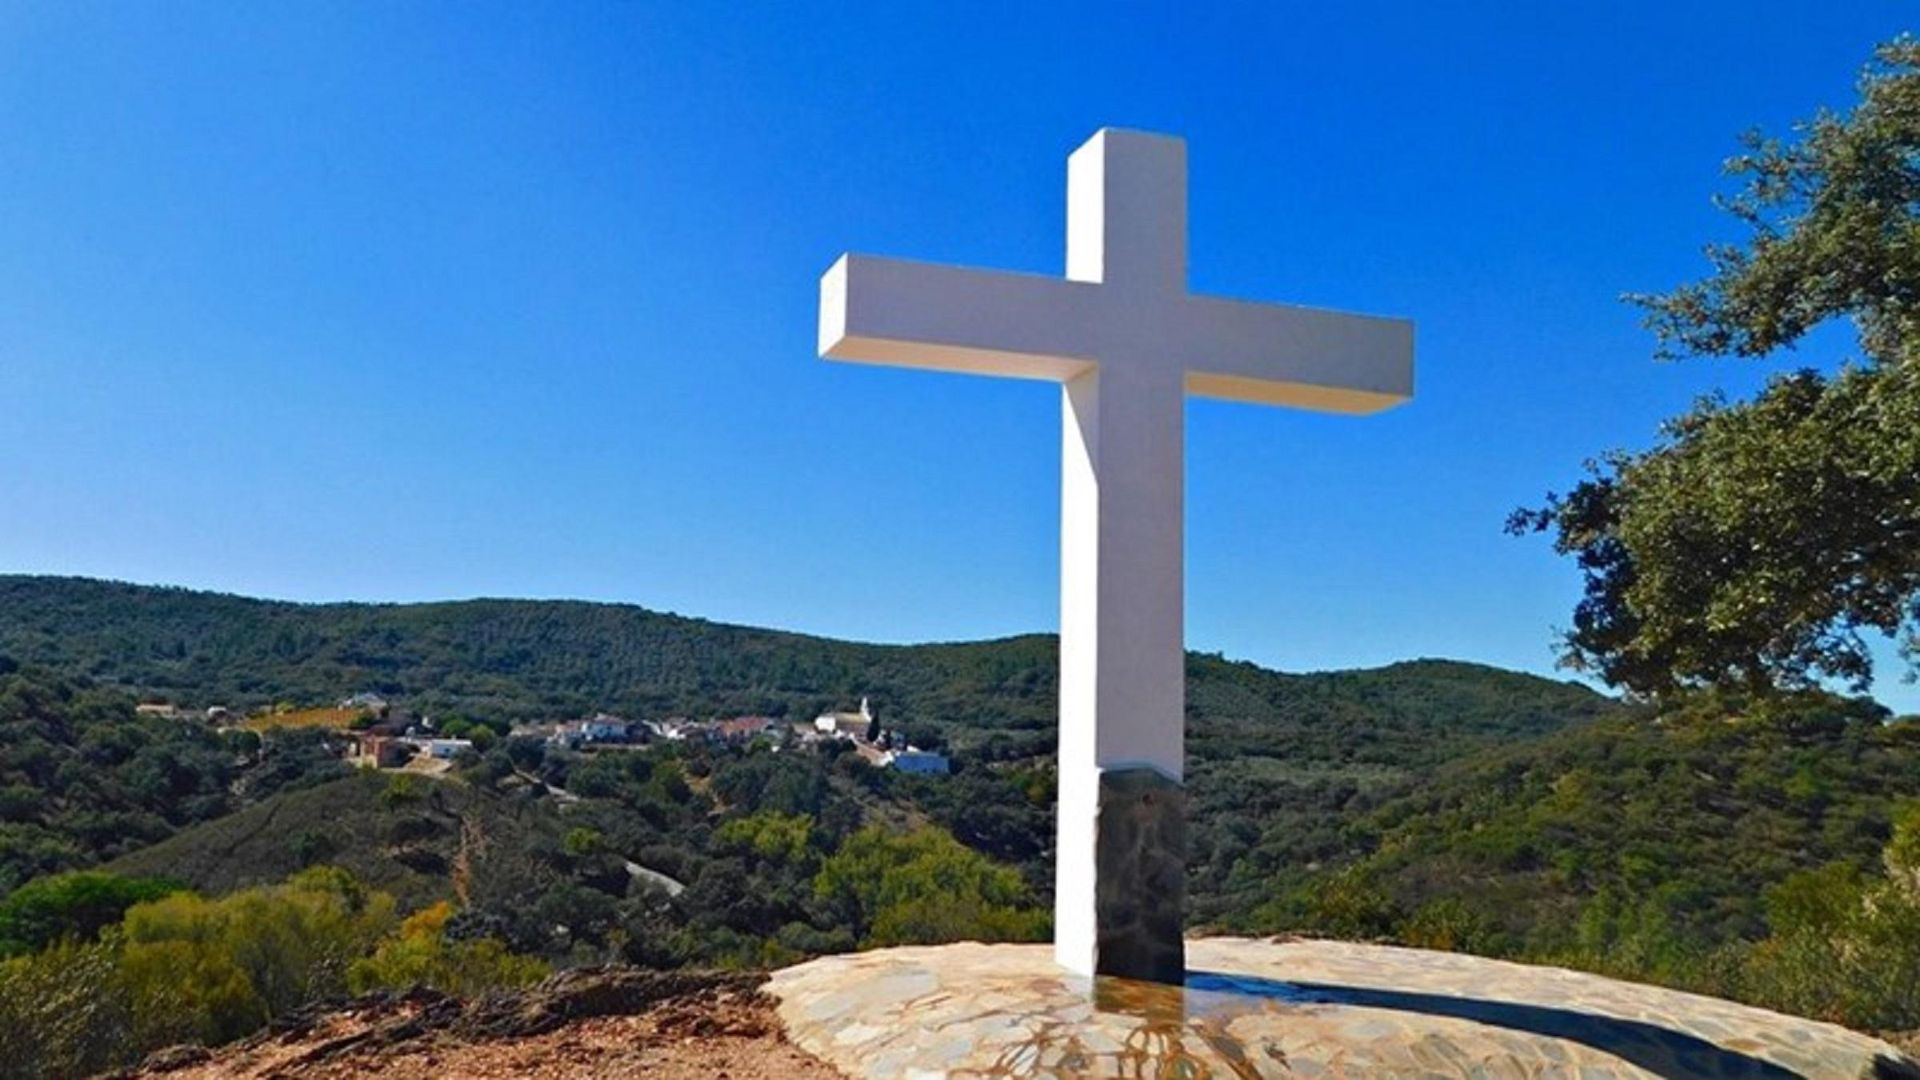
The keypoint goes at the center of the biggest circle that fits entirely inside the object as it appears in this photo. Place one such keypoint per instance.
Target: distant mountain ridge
(524, 658)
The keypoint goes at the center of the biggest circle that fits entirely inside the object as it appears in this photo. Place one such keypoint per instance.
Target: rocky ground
(1452, 1016)
(1291, 1009)
(604, 1022)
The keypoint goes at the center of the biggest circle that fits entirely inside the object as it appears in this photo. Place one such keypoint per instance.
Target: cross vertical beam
(1120, 822)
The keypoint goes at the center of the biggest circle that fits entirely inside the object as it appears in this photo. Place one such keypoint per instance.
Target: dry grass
(337, 719)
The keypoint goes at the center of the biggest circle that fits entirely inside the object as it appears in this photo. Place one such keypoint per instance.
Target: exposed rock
(174, 1058)
(1254, 1009)
(603, 991)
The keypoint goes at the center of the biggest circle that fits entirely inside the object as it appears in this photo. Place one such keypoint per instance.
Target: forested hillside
(1430, 802)
(1767, 851)
(83, 778)
(1632, 834)
(523, 659)
(519, 659)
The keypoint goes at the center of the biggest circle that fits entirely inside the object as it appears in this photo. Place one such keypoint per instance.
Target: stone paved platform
(1316, 1009)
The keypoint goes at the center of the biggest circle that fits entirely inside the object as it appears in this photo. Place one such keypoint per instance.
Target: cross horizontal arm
(981, 322)
(1309, 358)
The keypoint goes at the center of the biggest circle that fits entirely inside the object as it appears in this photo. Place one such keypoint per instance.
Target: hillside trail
(473, 840)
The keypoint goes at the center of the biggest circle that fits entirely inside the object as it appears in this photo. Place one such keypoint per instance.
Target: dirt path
(472, 842)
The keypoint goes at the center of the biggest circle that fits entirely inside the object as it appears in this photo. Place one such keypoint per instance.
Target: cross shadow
(1661, 1051)
(1184, 1031)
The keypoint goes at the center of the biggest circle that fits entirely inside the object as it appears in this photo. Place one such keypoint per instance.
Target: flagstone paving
(1315, 1009)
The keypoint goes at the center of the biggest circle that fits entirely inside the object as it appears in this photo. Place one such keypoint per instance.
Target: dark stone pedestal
(1140, 874)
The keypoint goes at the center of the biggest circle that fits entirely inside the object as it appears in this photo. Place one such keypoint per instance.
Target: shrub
(292, 942)
(1846, 948)
(65, 1012)
(402, 789)
(183, 968)
(768, 835)
(77, 904)
(422, 955)
(925, 887)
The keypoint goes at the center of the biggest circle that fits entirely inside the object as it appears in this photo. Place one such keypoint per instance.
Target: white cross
(1127, 341)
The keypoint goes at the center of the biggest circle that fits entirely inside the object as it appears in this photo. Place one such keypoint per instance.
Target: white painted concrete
(1127, 341)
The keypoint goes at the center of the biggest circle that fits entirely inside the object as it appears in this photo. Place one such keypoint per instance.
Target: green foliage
(1721, 847)
(403, 789)
(768, 835)
(1439, 804)
(77, 904)
(421, 954)
(1281, 767)
(312, 846)
(1756, 542)
(502, 660)
(185, 968)
(1696, 812)
(924, 887)
(66, 1012)
(1844, 947)
(1347, 903)
(1278, 762)
(1449, 924)
(288, 943)
(507, 660)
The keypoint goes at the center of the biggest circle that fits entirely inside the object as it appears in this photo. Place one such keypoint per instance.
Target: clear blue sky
(400, 301)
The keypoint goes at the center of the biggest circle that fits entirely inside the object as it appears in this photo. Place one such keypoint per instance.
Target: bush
(1447, 924)
(78, 904)
(403, 789)
(183, 968)
(291, 942)
(769, 835)
(925, 887)
(1846, 948)
(423, 955)
(581, 841)
(65, 1012)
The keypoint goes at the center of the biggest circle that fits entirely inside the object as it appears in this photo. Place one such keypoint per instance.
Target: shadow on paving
(1658, 1050)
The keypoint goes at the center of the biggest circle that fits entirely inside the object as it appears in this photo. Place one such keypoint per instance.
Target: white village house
(845, 725)
(854, 726)
(443, 749)
(915, 760)
(601, 728)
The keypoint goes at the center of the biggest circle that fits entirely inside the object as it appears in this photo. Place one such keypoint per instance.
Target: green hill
(511, 658)
(544, 658)
(1636, 843)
